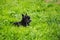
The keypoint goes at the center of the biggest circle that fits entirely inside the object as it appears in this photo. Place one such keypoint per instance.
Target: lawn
(45, 16)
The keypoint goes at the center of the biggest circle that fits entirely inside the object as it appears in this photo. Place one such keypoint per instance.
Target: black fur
(25, 21)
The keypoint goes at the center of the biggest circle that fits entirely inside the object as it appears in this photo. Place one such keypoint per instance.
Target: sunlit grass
(45, 18)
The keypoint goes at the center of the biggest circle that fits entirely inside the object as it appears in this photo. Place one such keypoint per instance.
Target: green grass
(45, 18)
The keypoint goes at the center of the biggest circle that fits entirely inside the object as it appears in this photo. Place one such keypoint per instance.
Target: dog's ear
(22, 15)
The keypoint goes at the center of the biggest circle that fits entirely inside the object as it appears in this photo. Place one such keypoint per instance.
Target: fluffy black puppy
(25, 21)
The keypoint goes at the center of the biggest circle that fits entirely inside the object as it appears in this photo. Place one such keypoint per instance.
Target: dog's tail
(16, 23)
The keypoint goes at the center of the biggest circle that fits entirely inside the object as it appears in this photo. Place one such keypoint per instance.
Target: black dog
(25, 21)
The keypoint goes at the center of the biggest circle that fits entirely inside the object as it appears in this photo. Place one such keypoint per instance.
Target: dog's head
(26, 19)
